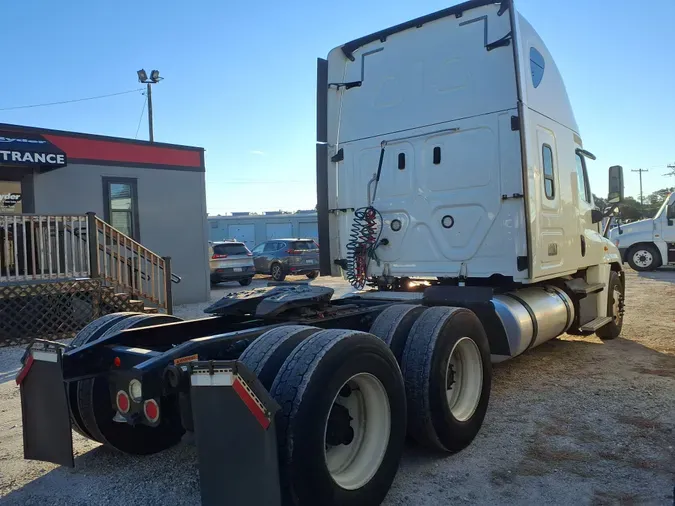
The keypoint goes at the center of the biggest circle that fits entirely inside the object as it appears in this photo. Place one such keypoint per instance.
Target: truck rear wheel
(341, 428)
(97, 412)
(448, 374)
(265, 356)
(393, 326)
(91, 332)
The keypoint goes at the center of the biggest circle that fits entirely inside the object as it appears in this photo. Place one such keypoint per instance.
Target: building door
(121, 205)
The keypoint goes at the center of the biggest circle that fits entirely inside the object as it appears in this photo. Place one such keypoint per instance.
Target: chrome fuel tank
(532, 316)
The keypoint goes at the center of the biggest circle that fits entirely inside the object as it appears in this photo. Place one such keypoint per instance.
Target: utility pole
(672, 169)
(154, 79)
(642, 204)
(150, 127)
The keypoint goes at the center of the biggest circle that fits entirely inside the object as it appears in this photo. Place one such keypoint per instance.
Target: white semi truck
(648, 244)
(453, 192)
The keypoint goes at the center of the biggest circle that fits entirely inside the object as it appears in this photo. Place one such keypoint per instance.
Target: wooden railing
(129, 265)
(38, 247)
(46, 247)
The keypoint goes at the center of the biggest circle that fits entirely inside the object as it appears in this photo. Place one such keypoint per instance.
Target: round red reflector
(122, 402)
(151, 409)
(117, 361)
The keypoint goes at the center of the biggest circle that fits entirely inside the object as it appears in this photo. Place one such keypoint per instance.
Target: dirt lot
(574, 421)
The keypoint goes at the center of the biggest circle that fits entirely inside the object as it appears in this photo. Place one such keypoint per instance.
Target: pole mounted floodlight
(153, 79)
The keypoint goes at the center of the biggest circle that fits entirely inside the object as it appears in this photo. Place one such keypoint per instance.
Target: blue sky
(241, 76)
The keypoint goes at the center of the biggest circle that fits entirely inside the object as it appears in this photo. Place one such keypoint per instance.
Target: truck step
(580, 287)
(594, 325)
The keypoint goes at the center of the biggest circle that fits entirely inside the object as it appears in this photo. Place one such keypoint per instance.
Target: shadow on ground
(665, 274)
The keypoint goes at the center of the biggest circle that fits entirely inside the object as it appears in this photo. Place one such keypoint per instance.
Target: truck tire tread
(93, 400)
(265, 356)
(309, 375)
(430, 421)
(393, 326)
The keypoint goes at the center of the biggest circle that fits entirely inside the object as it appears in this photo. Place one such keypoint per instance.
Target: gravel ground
(574, 421)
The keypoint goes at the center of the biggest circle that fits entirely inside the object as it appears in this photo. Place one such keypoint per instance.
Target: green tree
(630, 209)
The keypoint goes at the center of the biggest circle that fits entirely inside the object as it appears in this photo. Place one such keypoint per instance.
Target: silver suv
(231, 261)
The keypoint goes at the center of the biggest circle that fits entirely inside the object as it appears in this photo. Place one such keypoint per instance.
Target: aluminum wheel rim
(464, 379)
(352, 466)
(276, 270)
(643, 258)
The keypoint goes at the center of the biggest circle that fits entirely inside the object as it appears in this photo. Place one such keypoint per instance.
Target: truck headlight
(135, 390)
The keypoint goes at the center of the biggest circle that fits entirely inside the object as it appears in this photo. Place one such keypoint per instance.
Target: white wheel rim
(464, 379)
(353, 465)
(643, 258)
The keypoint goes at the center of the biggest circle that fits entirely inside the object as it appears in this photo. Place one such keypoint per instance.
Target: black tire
(650, 251)
(427, 353)
(91, 332)
(306, 388)
(277, 272)
(393, 326)
(265, 356)
(613, 329)
(312, 275)
(93, 399)
(245, 281)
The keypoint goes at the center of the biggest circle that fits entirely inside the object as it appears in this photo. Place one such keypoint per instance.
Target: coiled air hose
(364, 236)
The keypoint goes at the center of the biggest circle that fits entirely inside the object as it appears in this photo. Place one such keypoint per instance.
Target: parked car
(231, 261)
(281, 257)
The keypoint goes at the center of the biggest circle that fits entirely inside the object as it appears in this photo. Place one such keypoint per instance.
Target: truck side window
(549, 182)
(671, 212)
(582, 179)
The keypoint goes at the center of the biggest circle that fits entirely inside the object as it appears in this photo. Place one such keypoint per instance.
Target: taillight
(217, 256)
(151, 410)
(123, 403)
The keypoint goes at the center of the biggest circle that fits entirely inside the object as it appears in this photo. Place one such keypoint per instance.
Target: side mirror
(596, 216)
(615, 185)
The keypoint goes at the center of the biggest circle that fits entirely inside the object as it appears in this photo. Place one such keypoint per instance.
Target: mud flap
(47, 434)
(235, 435)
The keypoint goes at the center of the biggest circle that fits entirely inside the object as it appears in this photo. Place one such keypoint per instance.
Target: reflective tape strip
(252, 402)
(24, 370)
(44, 356)
(219, 378)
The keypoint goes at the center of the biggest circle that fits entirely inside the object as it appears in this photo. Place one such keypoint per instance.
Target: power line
(141, 118)
(70, 101)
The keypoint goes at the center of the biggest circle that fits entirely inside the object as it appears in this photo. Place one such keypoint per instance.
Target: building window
(582, 180)
(121, 205)
(537, 66)
(549, 180)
